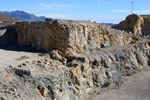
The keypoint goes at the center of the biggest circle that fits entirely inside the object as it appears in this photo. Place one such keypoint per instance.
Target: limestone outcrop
(69, 37)
(137, 24)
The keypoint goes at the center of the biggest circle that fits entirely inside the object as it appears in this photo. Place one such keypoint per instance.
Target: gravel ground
(136, 87)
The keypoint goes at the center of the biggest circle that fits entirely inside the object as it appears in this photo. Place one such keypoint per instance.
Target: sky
(102, 11)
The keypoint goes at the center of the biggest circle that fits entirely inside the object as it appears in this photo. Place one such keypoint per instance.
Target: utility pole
(132, 7)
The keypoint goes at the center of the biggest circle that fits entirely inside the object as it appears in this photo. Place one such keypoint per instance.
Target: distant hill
(108, 24)
(6, 20)
(24, 16)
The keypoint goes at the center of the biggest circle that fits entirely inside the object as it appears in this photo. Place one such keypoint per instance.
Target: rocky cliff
(85, 59)
(70, 37)
(137, 24)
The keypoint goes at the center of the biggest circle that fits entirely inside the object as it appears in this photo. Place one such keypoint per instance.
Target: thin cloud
(63, 16)
(98, 1)
(128, 11)
(143, 11)
(53, 6)
(121, 11)
(98, 18)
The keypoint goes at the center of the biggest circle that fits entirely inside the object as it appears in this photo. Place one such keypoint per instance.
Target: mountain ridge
(6, 20)
(24, 16)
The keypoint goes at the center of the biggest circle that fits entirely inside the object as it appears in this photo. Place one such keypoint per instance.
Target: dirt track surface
(10, 57)
(136, 87)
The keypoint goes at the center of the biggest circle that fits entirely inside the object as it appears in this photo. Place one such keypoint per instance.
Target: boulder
(133, 23)
(137, 24)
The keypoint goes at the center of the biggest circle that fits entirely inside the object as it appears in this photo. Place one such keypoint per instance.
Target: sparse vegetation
(128, 74)
(106, 84)
(41, 54)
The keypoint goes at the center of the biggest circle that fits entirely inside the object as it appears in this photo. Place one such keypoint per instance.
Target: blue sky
(110, 11)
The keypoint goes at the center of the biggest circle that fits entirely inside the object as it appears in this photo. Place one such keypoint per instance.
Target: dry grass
(22, 58)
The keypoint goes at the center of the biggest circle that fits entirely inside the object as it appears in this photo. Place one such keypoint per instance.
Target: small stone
(39, 61)
(2, 98)
(54, 55)
(19, 66)
(27, 62)
(24, 64)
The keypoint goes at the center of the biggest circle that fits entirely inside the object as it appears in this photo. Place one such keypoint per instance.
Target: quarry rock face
(137, 24)
(69, 37)
(84, 60)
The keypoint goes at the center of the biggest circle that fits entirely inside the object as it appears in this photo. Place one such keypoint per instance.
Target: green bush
(106, 84)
